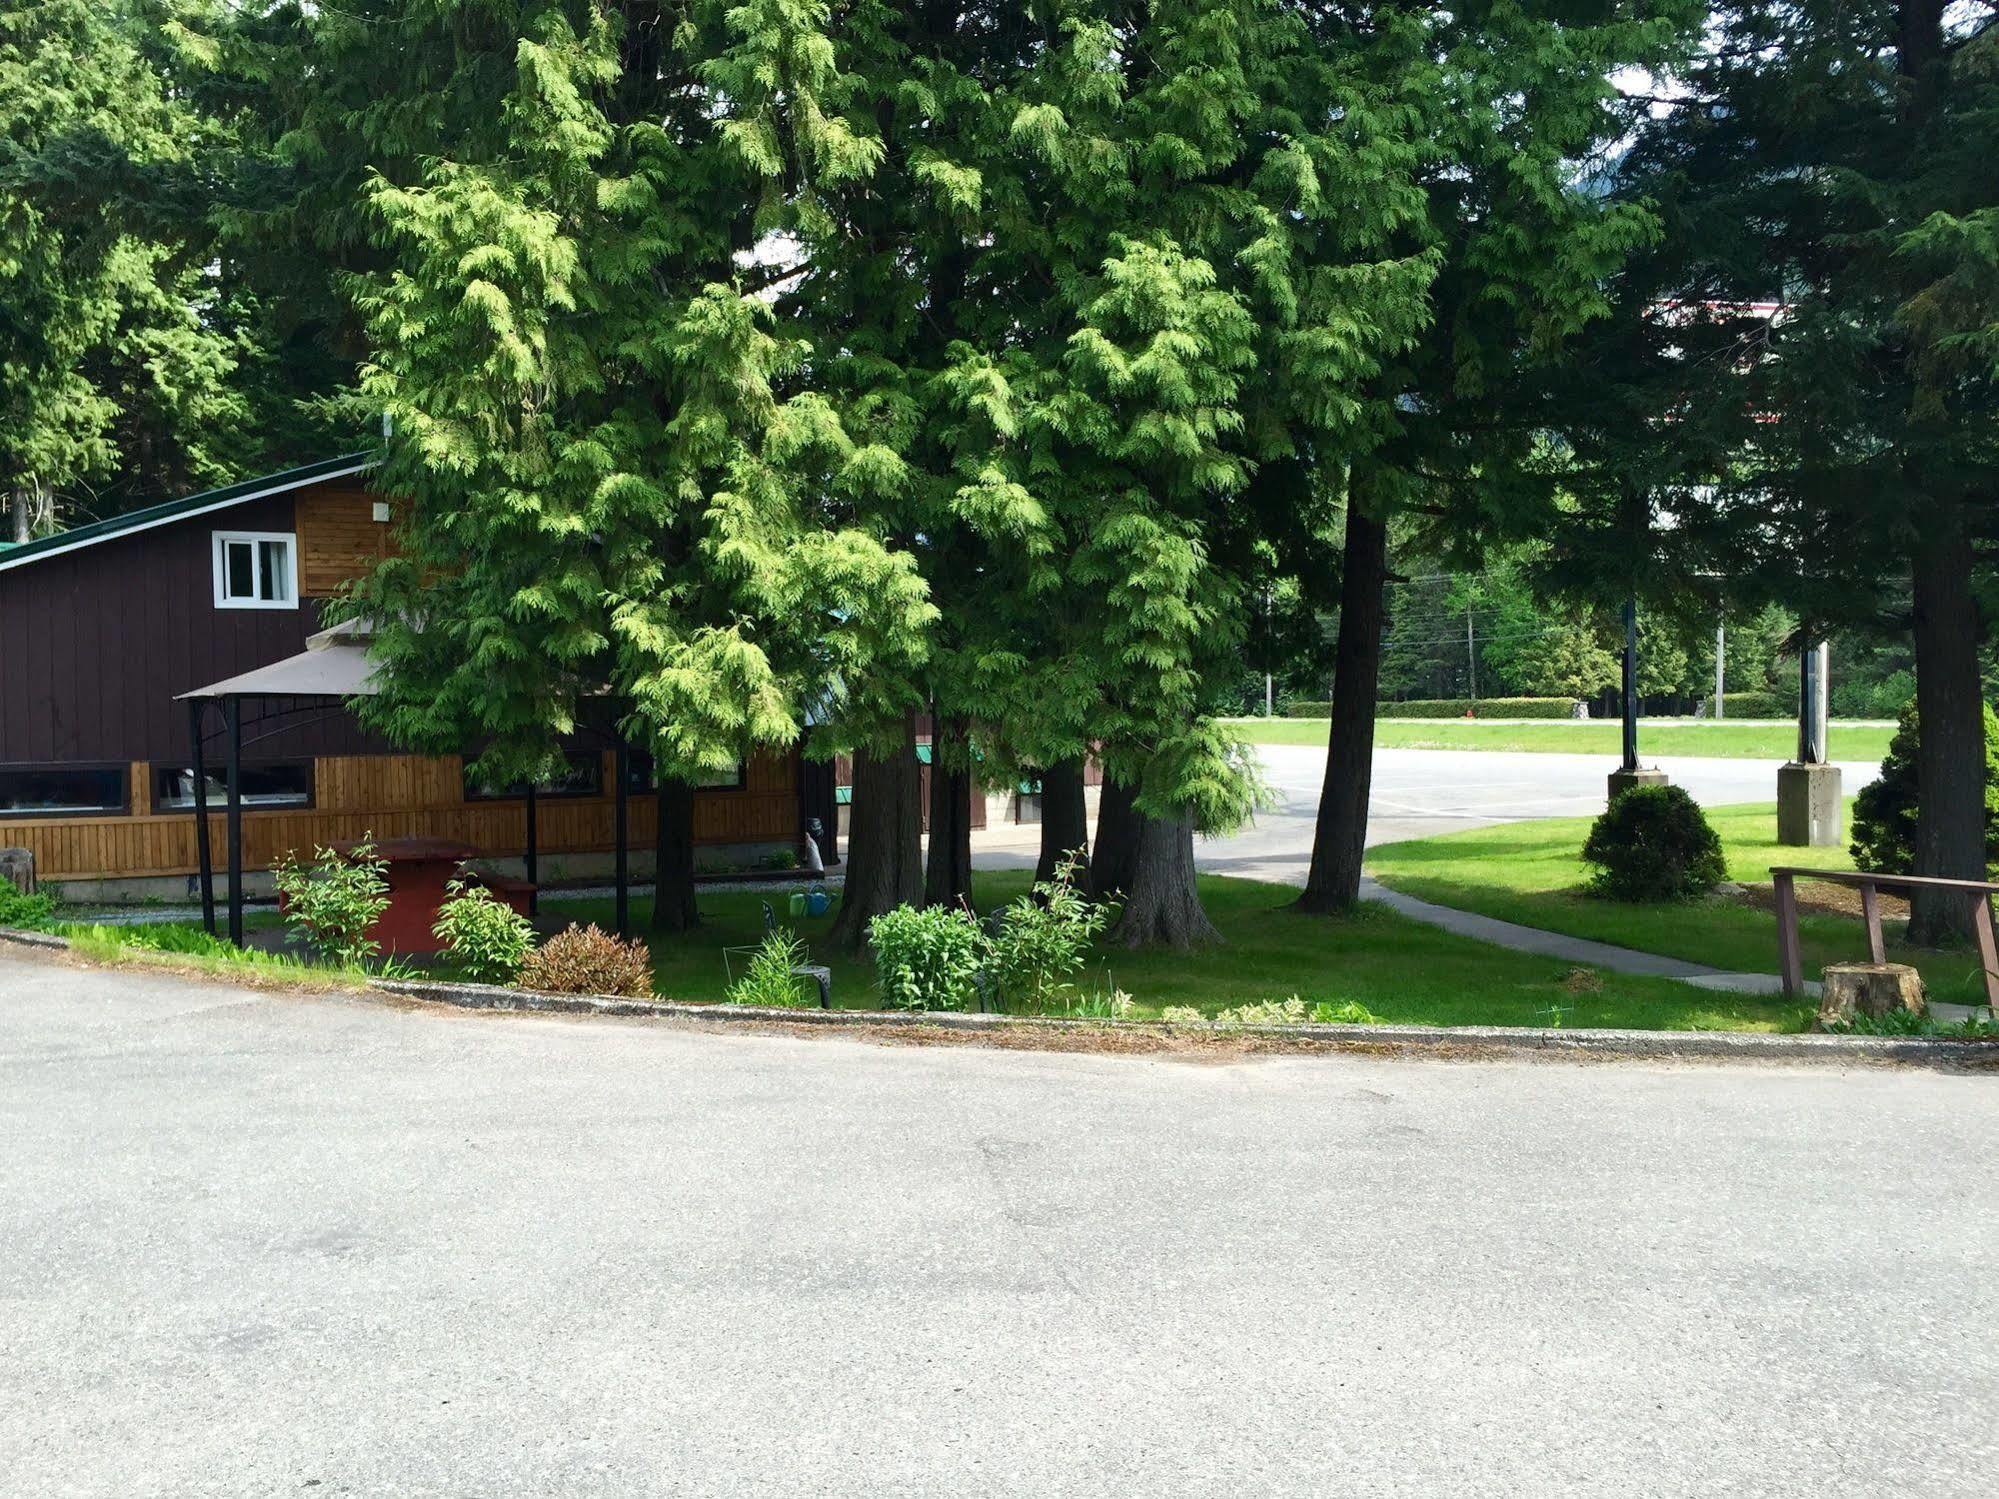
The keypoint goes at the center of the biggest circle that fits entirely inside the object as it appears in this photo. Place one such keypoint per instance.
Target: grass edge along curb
(1746, 1046)
(1705, 1045)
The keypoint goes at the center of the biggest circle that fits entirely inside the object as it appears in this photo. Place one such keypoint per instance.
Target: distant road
(1420, 792)
(1680, 737)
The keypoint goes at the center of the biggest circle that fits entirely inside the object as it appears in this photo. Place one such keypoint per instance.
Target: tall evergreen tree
(119, 377)
(1508, 102)
(1810, 354)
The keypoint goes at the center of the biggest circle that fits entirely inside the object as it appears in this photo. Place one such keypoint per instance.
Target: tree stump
(1871, 989)
(17, 868)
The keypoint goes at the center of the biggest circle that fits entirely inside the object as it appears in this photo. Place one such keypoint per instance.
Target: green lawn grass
(1402, 971)
(1735, 741)
(1531, 872)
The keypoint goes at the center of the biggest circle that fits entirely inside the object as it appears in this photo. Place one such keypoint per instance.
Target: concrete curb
(1842, 1051)
(1461, 1040)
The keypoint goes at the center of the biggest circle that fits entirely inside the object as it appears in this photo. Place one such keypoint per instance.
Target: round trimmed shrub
(1654, 844)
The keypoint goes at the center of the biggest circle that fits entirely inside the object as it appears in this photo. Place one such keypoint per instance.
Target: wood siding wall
(95, 645)
(395, 796)
(339, 538)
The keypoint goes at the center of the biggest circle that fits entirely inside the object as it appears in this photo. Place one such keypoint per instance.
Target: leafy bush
(1863, 699)
(769, 980)
(486, 938)
(333, 903)
(24, 912)
(1182, 1015)
(1451, 707)
(1654, 843)
(926, 960)
(1884, 814)
(1353, 1012)
(1758, 705)
(1037, 943)
(589, 960)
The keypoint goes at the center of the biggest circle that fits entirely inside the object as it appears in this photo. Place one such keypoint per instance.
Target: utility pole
(1720, 668)
(1471, 658)
(1269, 693)
(1628, 774)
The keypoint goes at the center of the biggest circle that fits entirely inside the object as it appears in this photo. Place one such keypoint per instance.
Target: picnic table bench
(1870, 886)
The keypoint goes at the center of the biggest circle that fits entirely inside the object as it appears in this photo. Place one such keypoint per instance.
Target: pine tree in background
(1505, 106)
(119, 382)
(1802, 388)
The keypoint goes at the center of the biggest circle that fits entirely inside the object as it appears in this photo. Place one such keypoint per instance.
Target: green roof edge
(243, 489)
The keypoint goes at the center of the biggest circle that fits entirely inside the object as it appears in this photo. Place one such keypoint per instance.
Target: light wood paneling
(339, 538)
(395, 796)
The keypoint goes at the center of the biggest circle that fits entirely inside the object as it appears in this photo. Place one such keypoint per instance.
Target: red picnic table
(419, 872)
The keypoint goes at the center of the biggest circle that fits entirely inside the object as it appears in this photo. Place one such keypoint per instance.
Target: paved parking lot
(260, 1245)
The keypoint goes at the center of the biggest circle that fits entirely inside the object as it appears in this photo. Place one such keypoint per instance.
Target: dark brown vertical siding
(96, 643)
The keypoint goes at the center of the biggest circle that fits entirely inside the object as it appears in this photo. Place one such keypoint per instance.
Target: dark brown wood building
(103, 626)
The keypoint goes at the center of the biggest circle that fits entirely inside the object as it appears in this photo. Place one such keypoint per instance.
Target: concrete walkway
(1579, 950)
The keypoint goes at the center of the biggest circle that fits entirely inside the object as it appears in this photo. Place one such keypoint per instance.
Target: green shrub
(589, 960)
(1884, 814)
(769, 980)
(1759, 705)
(1037, 944)
(927, 959)
(485, 937)
(1353, 1012)
(332, 903)
(1453, 707)
(1654, 843)
(24, 912)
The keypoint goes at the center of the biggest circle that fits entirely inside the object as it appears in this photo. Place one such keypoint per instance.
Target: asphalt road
(258, 1245)
(1418, 793)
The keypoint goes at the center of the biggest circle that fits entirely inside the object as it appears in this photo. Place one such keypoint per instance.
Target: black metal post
(619, 762)
(204, 855)
(1810, 751)
(533, 859)
(232, 708)
(1630, 684)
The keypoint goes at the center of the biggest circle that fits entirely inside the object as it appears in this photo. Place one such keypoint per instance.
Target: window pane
(582, 775)
(239, 568)
(58, 789)
(263, 786)
(274, 572)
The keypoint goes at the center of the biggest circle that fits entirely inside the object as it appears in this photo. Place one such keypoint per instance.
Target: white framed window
(256, 570)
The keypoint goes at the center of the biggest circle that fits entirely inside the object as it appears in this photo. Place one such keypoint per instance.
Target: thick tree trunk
(1950, 752)
(1117, 840)
(1162, 904)
(947, 870)
(673, 904)
(884, 841)
(1065, 821)
(1340, 837)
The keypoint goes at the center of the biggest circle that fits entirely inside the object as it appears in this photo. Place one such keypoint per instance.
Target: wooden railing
(1978, 892)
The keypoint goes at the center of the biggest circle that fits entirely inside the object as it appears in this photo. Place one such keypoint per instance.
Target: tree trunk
(1340, 836)
(1950, 747)
(884, 841)
(947, 872)
(673, 905)
(1065, 821)
(1162, 904)
(1117, 840)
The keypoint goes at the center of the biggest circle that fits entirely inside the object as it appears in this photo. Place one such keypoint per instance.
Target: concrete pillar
(1810, 809)
(1623, 780)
